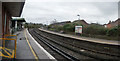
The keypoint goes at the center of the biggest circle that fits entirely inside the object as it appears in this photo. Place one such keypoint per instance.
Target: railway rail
(76, 49)
(69, 57)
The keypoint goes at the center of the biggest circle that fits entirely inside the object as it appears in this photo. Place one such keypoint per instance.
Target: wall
(0, 18)
(0, 25)
(8, 18)
(5, 20)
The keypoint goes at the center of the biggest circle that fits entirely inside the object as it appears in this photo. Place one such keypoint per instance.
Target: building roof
(19, 19)
(61, 23)
(81, 22)
(117, 21)
(14, 7)
(113, 23)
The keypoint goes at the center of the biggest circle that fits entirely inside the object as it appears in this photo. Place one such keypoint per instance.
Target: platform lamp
(78, 17)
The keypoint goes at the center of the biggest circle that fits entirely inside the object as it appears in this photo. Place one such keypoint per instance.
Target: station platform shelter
(17, 24)
(8, 9)
(19, 46)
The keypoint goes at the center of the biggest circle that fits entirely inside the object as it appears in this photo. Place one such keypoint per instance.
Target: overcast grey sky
(92, 11)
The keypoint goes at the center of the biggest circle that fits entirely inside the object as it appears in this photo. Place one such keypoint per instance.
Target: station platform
(96, 40)
(29, 49)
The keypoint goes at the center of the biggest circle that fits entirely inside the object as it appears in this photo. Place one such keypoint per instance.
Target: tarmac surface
(28, 48)
(23, 50)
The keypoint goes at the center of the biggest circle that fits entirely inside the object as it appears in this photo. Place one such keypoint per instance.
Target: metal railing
(3, 45)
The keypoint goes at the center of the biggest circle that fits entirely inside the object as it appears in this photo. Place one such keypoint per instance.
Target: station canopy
(18, 19)
(14, 7)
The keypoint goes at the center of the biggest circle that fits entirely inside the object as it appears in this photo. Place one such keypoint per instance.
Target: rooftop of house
(118, 20)
(82, 21)
(61, 22)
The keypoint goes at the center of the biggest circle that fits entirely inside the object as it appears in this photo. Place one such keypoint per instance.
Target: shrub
(70, 27)
(94, 30)
(114, 31)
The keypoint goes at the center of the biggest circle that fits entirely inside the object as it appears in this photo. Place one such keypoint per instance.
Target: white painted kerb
(48, 54)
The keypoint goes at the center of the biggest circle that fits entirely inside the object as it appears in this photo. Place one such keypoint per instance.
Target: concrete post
(15, 25)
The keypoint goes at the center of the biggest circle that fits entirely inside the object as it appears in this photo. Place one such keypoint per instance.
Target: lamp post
(78, 17)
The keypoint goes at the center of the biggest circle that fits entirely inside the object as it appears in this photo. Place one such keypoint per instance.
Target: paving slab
(23, 49)
(28, 48)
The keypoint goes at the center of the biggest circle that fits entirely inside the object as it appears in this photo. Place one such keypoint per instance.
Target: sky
(92, 11)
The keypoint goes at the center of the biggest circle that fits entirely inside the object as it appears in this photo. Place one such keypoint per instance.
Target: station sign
(78, 29)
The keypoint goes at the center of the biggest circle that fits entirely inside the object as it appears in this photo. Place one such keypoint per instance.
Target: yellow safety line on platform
(31, 47)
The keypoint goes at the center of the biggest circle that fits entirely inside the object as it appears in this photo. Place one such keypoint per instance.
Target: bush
(114, 31)
(70, 27)
(94, 30)
(55, 27)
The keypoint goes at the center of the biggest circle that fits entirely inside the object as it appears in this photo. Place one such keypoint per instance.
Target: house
(112, 24)
(83, 22)
(9, 9)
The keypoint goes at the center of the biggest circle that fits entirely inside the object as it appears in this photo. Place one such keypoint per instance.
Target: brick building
(112, 24)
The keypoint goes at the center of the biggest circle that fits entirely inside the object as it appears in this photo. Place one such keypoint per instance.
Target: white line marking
(48, 54)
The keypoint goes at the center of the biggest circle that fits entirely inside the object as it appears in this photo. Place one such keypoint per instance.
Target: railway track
(75, 48)
(55, 48)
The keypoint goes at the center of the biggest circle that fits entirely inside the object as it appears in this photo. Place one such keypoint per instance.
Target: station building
(7, 11)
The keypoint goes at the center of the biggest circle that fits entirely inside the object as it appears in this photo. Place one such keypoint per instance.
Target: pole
(78, 17)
